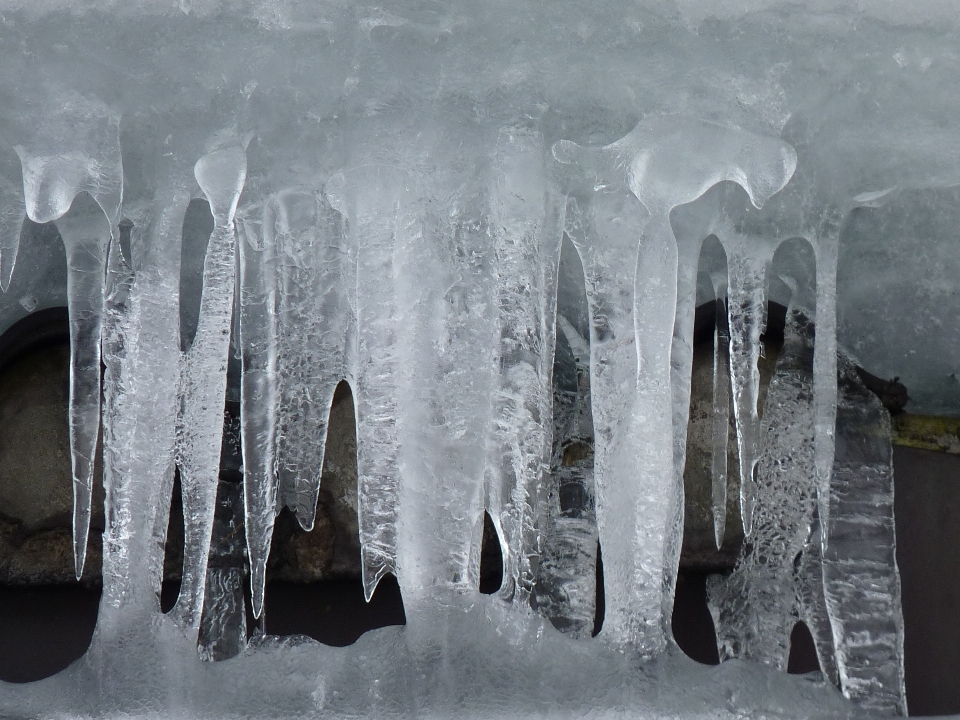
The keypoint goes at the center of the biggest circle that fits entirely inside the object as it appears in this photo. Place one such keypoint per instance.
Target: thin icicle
(258, 391)
(85, 231)
(721, 413)
(527, 238)
(748, 264)
(221, 175)
(317, 330)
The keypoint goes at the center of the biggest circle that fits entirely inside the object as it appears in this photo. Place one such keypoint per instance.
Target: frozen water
(391, 190)
(860, 576)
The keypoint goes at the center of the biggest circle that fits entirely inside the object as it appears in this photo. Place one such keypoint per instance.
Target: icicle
(748, 264)
(813, 604)
(861, 579)
(76, 149)
(721, 413)
(317, 326)
(223, 626)
(754, 609)
(86, 236)
(381, 227)
(221, 175)
(140, 336)
(12, 211)
(527, 237)
(258, 391)
(825, 366)
(605, 235)
(566, 590)
(667, 161)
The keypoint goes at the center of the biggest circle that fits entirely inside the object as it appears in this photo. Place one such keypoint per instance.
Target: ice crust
(490, 222)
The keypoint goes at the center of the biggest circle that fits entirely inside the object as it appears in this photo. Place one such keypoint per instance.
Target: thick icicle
(86, 236)
(382, 231)
(221, 175)
(756, 607)
(566, 590)
(527, 237)
(317, 330)
(258, 390)
(721, 414)
(748, 265)
(861, 579)
(665, 161)
(605, 235)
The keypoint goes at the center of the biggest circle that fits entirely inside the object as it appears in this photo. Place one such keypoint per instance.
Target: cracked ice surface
(391, 190)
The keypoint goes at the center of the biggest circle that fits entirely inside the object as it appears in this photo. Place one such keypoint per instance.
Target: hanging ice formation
(415, 202)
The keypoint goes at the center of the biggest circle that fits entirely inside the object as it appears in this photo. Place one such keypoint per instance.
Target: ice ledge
(460, 664)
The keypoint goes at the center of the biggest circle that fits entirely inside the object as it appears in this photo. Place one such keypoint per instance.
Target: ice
(748, 264)
(86, 235)
(664, 162)
(435, 207)
(755, 608)
(527, 233)
(220, 174)
(566, 590)
(317, 327)
(11, 216)
(721, 417)
(860, 575)
(72, 172)
(372, 199)
(258, 392)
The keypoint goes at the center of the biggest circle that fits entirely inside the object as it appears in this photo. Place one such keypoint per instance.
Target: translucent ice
(220, 174)
(861, 580)
(664, 162)
(755, 608)
(317, 326)
(258, 391)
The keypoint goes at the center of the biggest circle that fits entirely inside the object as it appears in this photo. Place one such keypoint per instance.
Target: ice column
(258, 390)
(317, 336)
(664, 162)
(861, 579)
(221, 174)
(86, 235)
